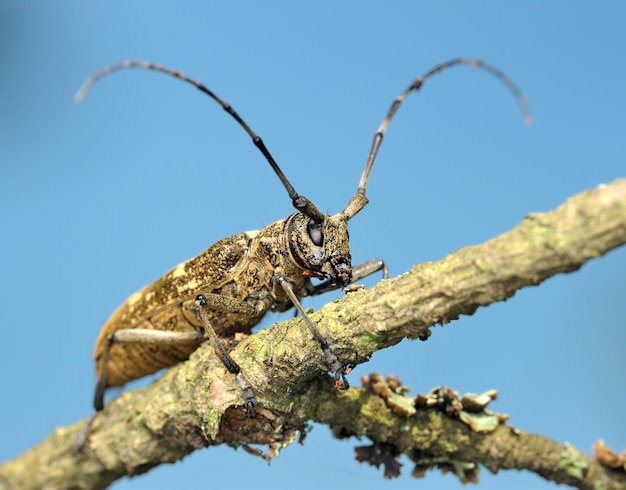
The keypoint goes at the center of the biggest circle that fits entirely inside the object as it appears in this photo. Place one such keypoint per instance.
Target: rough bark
(196, 403)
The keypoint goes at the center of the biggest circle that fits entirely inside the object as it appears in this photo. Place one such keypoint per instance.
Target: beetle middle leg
(206, 302)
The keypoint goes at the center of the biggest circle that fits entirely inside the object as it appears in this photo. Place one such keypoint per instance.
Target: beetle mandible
(230, 286)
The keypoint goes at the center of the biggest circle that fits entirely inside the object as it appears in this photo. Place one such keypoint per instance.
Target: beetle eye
(315, 233)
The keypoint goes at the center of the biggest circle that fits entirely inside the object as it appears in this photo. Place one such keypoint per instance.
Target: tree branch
(437, 438)
(196, 403)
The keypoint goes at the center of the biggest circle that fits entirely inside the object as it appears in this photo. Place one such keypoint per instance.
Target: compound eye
(315, 233)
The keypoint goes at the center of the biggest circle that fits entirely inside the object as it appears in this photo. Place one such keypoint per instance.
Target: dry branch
(195, 404)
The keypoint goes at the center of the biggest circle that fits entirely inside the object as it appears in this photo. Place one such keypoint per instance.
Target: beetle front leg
(340, 371)
(359, 272)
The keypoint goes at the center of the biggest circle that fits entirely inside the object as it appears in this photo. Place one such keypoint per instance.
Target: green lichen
(573, 462)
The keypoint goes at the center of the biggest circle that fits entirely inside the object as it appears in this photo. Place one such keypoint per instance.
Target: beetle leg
(138, 336)
(149, 336)
(204, 304)
(129, 336)
(332, 360)
(359, 272)
(218, 302)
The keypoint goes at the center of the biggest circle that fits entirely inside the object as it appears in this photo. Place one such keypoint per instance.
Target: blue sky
(98, 199)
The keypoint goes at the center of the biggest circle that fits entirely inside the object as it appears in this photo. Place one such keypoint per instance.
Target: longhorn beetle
(230, 286)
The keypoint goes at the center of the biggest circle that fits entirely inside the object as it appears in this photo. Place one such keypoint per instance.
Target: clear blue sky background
(98, 199)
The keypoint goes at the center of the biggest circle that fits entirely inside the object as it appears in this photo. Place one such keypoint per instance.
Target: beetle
(230, 286)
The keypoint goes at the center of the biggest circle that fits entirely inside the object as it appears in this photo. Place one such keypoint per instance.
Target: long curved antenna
(359, 200)
(301, 203)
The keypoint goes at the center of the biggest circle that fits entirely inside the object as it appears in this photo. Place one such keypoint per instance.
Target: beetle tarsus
(248, 395)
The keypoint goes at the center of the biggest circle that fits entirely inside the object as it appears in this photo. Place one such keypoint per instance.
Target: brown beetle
(230, 286)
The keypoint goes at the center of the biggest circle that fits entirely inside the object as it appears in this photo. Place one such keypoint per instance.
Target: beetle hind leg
(129, 336)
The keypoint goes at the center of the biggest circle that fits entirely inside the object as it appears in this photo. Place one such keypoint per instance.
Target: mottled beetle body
(229, 287)
(239, 267)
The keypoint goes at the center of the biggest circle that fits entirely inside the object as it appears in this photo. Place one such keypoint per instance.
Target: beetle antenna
(359, 200)
(301, 203)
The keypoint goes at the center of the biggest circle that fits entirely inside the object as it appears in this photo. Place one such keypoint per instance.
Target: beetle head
(321, 248)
